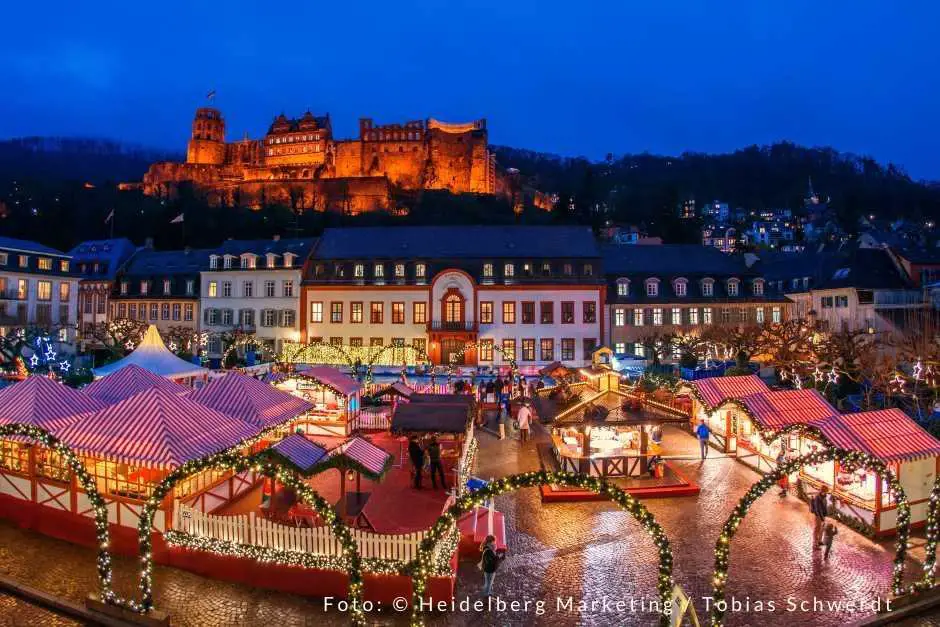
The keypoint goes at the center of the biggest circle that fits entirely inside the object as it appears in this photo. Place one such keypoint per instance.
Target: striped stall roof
(888, 434)
(128, 381)
(42, 402)
(300, 451)
(250, 399)
(331, 376)
(716, 390)
(775, 410)
(156, 429)
(359, 450)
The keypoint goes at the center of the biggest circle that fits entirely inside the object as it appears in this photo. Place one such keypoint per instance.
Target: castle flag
(110, 217)
(177, 220)
(210, 95)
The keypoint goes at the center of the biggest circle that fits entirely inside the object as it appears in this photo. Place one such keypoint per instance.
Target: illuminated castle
(298, 163)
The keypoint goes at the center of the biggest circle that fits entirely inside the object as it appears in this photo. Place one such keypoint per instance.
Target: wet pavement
(568, 563)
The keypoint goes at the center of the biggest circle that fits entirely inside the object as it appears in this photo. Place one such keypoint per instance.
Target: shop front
(335, 398)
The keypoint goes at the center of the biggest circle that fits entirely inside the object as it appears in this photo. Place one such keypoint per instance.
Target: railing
(252, 530)
(372, 419)
(446, 325)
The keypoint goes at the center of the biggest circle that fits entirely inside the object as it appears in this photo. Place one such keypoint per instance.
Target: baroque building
(299, 163)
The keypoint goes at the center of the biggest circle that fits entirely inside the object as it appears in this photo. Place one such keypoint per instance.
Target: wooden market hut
(709, 394)
(336, 399)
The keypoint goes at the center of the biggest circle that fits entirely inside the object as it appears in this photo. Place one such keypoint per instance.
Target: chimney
(277, 238)
(148, 243)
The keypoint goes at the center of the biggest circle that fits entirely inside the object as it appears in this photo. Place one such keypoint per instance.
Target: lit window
(676, 316)
(620, 348)
(638, 317)
(509, 270)
(652, 288)
(707, 315)
(680, 287)
(623, 287)
(708, 287)
(379, 270)
(144, 287)
(44, 290)
(758, 288)
(316, 312)
(166, 287)
(487, 269)
(619, 317)
(359, 271)
(657, 316)
(732, 287)
(420, 270)
(775, 315)
(45, 263)
(759, 315)
(693, 315)
(399, 270)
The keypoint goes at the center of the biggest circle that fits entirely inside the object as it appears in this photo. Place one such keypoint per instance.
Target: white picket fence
(372, 419)
(253, 530)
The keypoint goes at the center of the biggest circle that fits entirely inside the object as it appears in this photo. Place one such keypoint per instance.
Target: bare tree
(119, 336)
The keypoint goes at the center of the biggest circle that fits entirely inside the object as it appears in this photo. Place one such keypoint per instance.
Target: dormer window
(758, 287)
(124, 288)
(379, 270)
(248, 262)
(420, 270)
(509, 270)
(338, 270)
(733, 287)
(289, 260)
(487, 270)
(96, 269)
(623, 287)
(652, 287)
(399, 270)
(546, 268)
(588, 269)
(527, 269)
(359, 271)
(24, 261)
(680, 287)
(45, 263)
(708, 287)
(144, 287)
(64, 265)
(271, 260)
(166, 287)
(213, 262)
(567, 269)
(228, 262)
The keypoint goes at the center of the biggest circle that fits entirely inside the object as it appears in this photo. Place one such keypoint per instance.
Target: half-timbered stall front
(709, 394)
(335, 398)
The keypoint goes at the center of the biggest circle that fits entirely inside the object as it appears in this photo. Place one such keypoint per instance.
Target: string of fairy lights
(424, 565)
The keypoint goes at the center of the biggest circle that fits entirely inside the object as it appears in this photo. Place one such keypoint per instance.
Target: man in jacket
(819, 505)
(435, 468)
(702, 432)
(416, 453)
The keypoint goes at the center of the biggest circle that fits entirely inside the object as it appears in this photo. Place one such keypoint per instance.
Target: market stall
(335, 398)
(707, 397)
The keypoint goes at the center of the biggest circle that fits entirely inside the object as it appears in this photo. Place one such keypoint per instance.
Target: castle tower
(207, 145)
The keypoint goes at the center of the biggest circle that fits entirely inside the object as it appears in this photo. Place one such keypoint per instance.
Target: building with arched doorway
(470, 295)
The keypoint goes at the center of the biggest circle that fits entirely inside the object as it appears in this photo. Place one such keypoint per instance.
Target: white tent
(153, 355)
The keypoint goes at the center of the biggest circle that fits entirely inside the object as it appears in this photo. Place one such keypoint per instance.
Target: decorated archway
(932, 539)
(849, 459)
(316, 353)
(457, 355)
(422, 566)
(268, 466)
(418, 355)
(88, 484)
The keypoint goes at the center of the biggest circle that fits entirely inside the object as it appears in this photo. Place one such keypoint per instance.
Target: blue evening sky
(574, 78)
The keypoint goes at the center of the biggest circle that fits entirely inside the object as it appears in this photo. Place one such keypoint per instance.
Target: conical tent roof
(154, 356)
(42, 402)
(250, 399)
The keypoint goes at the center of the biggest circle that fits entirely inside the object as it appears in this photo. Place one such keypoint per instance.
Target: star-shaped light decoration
(129, 345)
(832, 377)
(817, 375)
(918, 371)
(34, 360)
(172, 346)
(797, 381)
(50, 354)
(898, 382)
(64, 365)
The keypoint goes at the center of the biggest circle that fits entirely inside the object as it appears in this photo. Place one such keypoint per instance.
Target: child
(829, 533)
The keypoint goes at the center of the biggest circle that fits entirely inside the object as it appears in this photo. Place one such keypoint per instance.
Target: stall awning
(775, 410)
(151, 354)
(716, 390)
(300, 452)
(888, 434)
(156, 429)
(430, 418)
(248, 398)
(127, 382)
(332, 377)
(360, 454)
(396, 389)
(607, 409)
(550, 369)
(41, 402)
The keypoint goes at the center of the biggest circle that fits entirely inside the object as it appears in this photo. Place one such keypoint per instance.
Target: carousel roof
(250, 399)
(430, 417)
(151, 354)
(714, 391)
(778, 409)
(156, 429)
(300, 452)
(888, 434)
(362, 455)
(127, 382)
(332, 377)
(41, 402)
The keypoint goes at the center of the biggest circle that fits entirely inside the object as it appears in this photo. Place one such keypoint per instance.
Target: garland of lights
(259, 463)
(933, 537)
(420, 355)
(422, 567)
(319, 386)
(849, 459)
(292, 352)
(88, 484)
(510, 357)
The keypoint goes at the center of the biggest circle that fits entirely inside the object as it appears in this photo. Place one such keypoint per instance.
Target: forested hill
(640, 187)
(79, 159)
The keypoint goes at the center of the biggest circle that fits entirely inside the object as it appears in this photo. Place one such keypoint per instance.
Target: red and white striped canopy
(42, 402)
(775, 410)
(156, 429)
(127, 382)
(888, 434)
(716, 390)
(249, 399)
(371, 457)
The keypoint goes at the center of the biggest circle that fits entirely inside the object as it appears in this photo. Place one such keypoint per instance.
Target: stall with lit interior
(446, 417)
(335, 398)
(708, 395)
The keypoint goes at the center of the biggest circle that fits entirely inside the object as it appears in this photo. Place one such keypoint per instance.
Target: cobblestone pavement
(585, 552)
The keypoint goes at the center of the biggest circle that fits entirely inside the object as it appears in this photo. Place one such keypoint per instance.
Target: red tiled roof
(248, 398)
(42, 402)
(888, 434)
(775, 410)
(716, 390)
(127, 382)
(156, 429)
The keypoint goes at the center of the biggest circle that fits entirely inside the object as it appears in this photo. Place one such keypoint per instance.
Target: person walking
(416, 453)
(523, 418)
(490, 559)
(829, 534)
(522, 386)
(499, 385)
(436, 468)
(819, 505)
(702, 432)
(490, 391)
(784, 481)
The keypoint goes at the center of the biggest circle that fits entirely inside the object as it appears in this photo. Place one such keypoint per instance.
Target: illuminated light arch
(850, 459)
(421, 567)
(293, 354)
(419, 354)
(476, 345)
(260, 462)
(90, 487)
(933, 538)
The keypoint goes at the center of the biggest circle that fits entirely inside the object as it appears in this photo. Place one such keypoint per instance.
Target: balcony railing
(460, 325)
